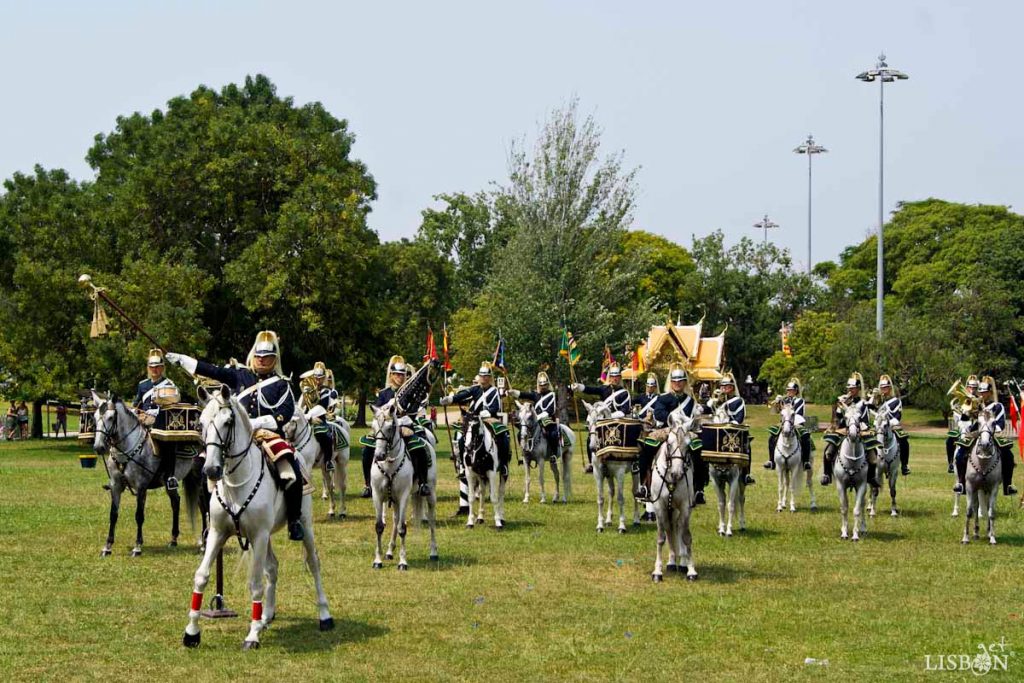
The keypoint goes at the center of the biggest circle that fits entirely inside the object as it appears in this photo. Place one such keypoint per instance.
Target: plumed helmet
(266, 344)
(319, 370)
(988, 384)
(677, 373)
(972, 381)
(614, 371)
(855, 381)
(885, 382)
(652, 379)
(155, 358)
(542, 379)
(727, 380)
(485, 370)
(793, 384)
(396, 364)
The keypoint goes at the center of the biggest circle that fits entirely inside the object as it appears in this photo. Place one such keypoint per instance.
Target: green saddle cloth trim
(774, 430)
(422, 421)
(653, 443)
(952, 434)
(419, 430)
(900, 434)
(802, 431)
(872, 443)
(320, 428)
(833, 438)
(366, 441)
(457, 425)
(497, 428)
(966, 442)
(546, 421)
(696, 444)
(1003, 443)
(340, 439)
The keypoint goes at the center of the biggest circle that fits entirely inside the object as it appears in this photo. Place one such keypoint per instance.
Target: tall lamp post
(810, 148)
(883, 74)
(765, 224)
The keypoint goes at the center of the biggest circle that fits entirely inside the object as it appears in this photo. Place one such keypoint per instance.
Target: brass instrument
(875, 398)
(310, 389)
(962, 402)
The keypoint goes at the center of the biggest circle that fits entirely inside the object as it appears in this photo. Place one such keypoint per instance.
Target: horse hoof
(657, 578)
(135, 552)
(251, 645)
(778, 509)
(526, 500)
(691, 577)
(964, 541)
(343, 515)
(330, 515)
(636, 523)
(389, 556)
(106, 552)
(201, 550)
(173, 544)
(403, 567)
(600, 530)
(721, 532)
(814, 507)
(856, 538)
(378, 565)
(435, 558)
(894, 513)
(728, 534)
(953, 515)
(671, 568)
(991, 541)
(622, 529)
(327, 624)
(189, 640)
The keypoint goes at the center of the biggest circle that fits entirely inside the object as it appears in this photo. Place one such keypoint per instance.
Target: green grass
(547, 599)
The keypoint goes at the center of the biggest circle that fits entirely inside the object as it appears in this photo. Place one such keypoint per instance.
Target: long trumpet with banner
(570, 351)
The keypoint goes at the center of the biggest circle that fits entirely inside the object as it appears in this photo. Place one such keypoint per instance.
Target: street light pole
(883, 74)
(810, 149)
(764, 224)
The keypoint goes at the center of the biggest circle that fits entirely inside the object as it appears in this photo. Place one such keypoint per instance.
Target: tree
(665, 270)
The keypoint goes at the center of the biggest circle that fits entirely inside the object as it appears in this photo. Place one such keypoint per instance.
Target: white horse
(889, 463)
(299, 432)
(672, 495)
(391, 482)
(787, 459)
(480, 457)
(535, 452)
(984, 476)
(132, 464)
(612, 471)
(247, 503)
(850, 471)
(728, 475)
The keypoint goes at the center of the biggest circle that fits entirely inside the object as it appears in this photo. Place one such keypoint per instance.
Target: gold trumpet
(310, 391)
(963, 403)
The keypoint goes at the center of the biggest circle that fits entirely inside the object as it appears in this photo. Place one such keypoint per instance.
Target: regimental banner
(726, 444)
(178, 422)
(618, 439)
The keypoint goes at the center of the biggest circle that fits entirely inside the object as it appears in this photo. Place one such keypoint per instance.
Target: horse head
(527, 418)
(852, 415)
(114, 422)
(786, 416)
(596, 411)
(882, 425)
(385, 429)
(222, 420)
(986, 435)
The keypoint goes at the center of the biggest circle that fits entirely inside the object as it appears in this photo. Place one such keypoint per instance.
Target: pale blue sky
(708, 99)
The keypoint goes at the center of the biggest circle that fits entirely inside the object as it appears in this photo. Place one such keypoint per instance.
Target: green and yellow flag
(568, 349)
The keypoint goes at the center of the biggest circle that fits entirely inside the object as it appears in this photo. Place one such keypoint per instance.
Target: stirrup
(748, 480)
(1009, 490)
(949, 469)
(826, 479)
(589, 469)
(295, 532)
(641, 493)
(769, 465)
(424, 490)
(904, 471)
(172, 483)
(958, 488)
(366, 492)
(698, 498)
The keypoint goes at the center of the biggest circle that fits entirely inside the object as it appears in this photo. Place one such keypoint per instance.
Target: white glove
(577, 387)
(446, 400)
(183, 361)
(316, 412)
(263, 422)
(514, 393)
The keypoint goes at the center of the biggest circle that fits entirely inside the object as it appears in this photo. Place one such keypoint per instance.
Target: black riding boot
(419, 469)
(590, 461)
(904, 445)
(1007, 464)
(961, 470)
(293, 504)
(772, 440)
(700, 476)
(367, 464)
(950, 450)
(326, 449)
(873, 474)
(647, 454)
(504, 454)
(829, 462)
(805, 450)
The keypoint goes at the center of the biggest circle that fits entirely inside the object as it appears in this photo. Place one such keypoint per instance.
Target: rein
(131, 456)
(224, 445)
(675, 453)
(392, 444)
(992, 458)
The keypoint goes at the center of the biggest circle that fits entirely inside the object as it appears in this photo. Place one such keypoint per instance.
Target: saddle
(274, 449)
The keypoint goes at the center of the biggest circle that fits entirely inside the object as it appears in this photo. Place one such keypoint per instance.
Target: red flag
(636, 362)
(1020, 428)
(444, 343)
(431, 353)
(1014, 413)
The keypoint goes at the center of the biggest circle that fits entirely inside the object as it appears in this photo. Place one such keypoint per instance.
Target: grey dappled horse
(888, 463)
(983, 479)
(672, 496)
(535, 452)
(131, 463)
(611, 471)
(851, 473)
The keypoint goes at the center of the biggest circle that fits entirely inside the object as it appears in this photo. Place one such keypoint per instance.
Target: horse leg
(115, 505)
(402, 527)
(493, 478)
(783, 472)
(270, 568)
(859, 523)
(379, 510)
(542, 462)
(214, 543)
(432, 515)
(341, 480)
(659, 514)
(686, 542)
(844, 509)
(312, 559)
(599, 478)
(992, 497)
(636, 504)
(873, 497)
(620, 478)
(175, 499)
(810, 484)
(502, 482)
(140, 519)
(567, 476)
(259, 553)
(720, 494)
(967, 516)
(956, 505)
(395, 521)
(893, 511)
(471, 491)
(526, 477)
(741, 500)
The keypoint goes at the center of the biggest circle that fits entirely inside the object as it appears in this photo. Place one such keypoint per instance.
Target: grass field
(547, 599)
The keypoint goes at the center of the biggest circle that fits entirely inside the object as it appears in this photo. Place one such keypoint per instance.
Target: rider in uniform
(794, 399)
(263, 390)
(148, 409)
(322, 400)
(613, 394)
(398, 373)
(483, 400)
(734, 407)
(833, 439)
(643, 403)
(990, 402)
(545, 404)
(963, 420)
(679, 397)
(888, 398)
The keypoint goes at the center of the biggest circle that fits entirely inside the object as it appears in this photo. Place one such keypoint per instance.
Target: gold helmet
(485, 370)
(396, 365)
(155, 358)
(885, 382)
(988, 384)
(972, 382)
(794, 384)
(319, 370)
(856, 381)
(728, 380)
(652, 380)
(266, 344)
(542, 381)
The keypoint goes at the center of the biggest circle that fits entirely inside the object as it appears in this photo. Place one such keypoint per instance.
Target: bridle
(224, 444)
(792, 432)
(113, 438)
(985, 427)
(679, 451)
(391, 444)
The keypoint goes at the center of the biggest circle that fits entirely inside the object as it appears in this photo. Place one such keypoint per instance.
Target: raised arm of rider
(187, 362)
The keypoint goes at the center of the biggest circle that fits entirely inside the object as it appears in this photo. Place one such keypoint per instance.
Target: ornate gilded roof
(668, 343)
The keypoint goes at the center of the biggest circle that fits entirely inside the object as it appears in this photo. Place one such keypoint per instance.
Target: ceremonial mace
(98, 329)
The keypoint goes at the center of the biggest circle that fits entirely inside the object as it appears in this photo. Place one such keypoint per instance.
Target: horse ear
(588, 406)
(375, 409)
(203, 395)
(224, 393)
(519, 404)
(96, 398)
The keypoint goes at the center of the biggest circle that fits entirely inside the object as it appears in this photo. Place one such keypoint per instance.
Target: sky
(708, 100)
